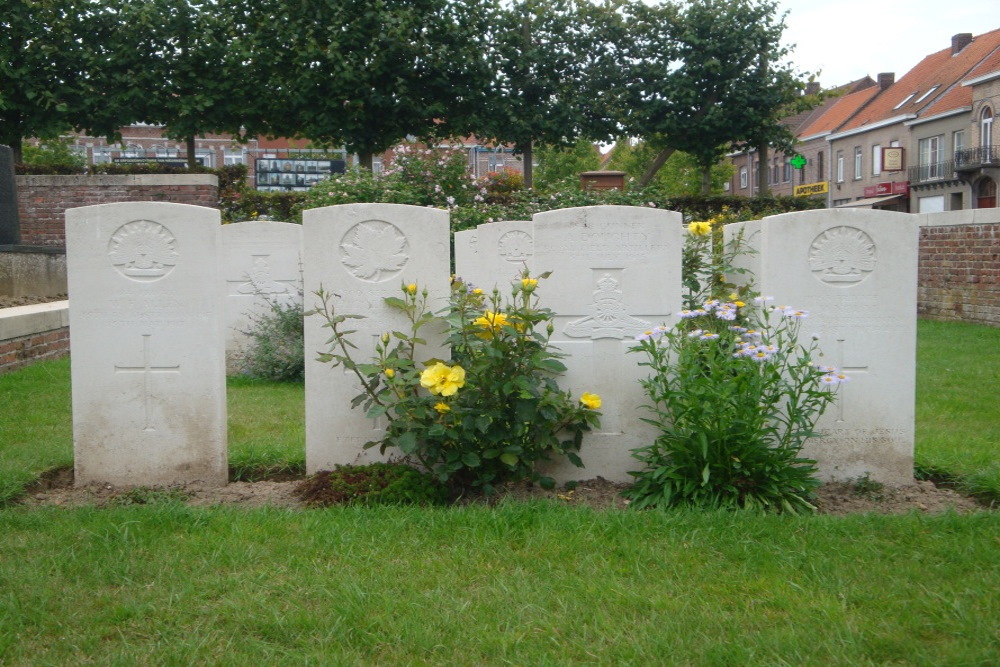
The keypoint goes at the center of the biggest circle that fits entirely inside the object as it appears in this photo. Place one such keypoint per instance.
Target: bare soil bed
(56, 489)
(11, 301)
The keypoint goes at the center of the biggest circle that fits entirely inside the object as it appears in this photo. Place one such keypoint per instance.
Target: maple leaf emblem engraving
(374, 250)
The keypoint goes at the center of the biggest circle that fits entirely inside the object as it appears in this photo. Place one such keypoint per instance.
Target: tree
(554, 63)
(39, 74)
(558, 165)
(680, 175)
(706, 76)
(370, 73)
(179, 63)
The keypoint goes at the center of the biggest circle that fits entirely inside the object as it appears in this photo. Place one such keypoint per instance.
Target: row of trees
(696, 77)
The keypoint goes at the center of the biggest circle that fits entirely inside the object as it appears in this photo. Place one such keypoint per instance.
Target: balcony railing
(970, 159)
(936, 171)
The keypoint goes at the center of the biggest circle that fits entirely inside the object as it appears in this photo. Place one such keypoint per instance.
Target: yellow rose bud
(529, 284)
(390, 373)
(385, 337)
(477, 290)
(442, 407)
(411, 288)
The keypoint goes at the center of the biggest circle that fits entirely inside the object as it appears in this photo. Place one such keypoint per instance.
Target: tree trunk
(192, 161)
(657, 163)
(528, 156)
(366, 159)
(763, 170)
(706, 180)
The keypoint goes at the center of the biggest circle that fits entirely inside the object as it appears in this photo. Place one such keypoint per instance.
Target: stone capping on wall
(26, 320)
(118, 179)
(32, 333)
(974, 216)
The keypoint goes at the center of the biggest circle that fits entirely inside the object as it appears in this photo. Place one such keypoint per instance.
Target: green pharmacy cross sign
(798, 161)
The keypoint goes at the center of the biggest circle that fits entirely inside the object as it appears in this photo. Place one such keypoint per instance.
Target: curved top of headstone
(622, 213)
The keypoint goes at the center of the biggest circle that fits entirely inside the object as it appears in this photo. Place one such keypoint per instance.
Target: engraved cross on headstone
(146, 369)
(847, 370)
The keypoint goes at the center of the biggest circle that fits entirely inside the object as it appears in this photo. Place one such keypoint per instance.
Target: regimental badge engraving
(516, 246)
(143, 250)
(260, 281)
(609, 318)
(842, 256)
(374, 251)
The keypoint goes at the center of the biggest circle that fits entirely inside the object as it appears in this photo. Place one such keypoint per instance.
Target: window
(986, 132)
(924, 96)
(930, 158)
(905, 100)
(840, 166)
(775, 173)
(743, 177)
(820, 172)
(234, 157)
(857, 163)
(933, 204)
(958, 146)
(787, 171)
(876, 159)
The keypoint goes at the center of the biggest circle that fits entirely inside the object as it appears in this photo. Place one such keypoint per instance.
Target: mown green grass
(522, 583)
(958, 422)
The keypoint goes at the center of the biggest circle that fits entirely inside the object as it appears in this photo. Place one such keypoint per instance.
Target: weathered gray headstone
(616, 273)
(10, 228)
(148, 347)
(364, 253)
(262, 266)
(855, 272)
(500, 252)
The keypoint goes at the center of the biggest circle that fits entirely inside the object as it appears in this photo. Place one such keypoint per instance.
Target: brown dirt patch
(11, 301)
(56, 489)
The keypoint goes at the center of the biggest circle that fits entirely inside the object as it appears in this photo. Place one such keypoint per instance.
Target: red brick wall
(959, 273)
(19, 352)
(42, 200)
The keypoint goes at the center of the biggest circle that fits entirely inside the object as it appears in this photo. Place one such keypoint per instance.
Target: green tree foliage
(559, 167)
(179, 63)
(553, 63)
(681, 174)
(39, 75)
(707, 75)
(368, 74)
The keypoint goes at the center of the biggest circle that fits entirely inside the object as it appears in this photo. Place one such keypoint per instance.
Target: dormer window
(924, 96)
(908, 98)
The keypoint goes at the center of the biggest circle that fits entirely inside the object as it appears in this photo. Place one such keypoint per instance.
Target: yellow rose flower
(490, 320)
(700, 228)
(411, 288)
(390, 373)
(442, 380)
(590, 401)
(442, 407)
(529, 284)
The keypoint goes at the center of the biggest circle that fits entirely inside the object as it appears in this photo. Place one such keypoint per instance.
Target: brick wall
(959, 272)
(42, 200)
(19, 352)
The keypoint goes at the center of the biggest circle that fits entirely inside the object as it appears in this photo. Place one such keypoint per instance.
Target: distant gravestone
(146, 332)
(502, 250)
(262, 266)
(855, 271)
(364, 253)
(10, 228)
(466, 244)
(615, 274)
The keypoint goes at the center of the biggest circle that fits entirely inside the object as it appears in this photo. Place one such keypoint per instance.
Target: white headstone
(364, 253)
(502, 251)
(466, 243)
(855, 271)
(146, 331)
(262, 265)
(616, 273)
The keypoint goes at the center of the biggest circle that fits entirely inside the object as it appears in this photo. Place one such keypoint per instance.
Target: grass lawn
(528, 583)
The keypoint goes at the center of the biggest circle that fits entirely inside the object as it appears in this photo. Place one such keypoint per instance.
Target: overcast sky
(848, 39)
